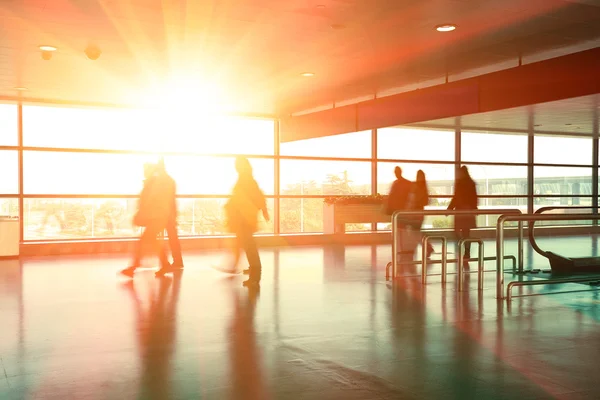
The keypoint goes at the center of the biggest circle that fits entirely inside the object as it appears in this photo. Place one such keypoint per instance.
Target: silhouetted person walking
(399, 192)
(398, 200)
(465, 198)
(420, 200)
(172, 220)
(154, 208)
(242, 212)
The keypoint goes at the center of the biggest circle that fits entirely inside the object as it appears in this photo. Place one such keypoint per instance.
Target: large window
(8, 125)
(304, 177)
(349, 145)
(415, 144)
(440, 177)
(9, 172)
(499, 180)
(562, 186)
(553, 149)
(145, 130)
(488, 147)
(83, 169)
(105, 218)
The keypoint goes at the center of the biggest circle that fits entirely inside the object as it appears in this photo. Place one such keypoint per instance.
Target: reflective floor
(325, 324)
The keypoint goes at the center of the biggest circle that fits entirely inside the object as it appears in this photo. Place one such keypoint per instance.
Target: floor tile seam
(5, 374)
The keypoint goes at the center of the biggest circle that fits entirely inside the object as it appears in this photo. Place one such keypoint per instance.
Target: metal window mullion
(276, 203)
(374, 169)
(20, 160)
(595, 150)
(530, 161)
(457, 147)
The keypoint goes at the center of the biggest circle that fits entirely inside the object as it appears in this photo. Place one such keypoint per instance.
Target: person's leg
(159, 241)
(236, 250)
(466, 233)
(174, 243)
(139, 247)
(253, 257)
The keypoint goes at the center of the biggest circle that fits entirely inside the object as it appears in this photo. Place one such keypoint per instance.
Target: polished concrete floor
(325, 324)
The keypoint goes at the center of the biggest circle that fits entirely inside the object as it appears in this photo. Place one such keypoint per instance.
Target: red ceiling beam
(569, 76)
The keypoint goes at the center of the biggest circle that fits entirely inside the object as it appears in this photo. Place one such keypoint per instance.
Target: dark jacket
(156, 201)
(465, 198)
(420, 200)
(398, 198)
(246, 201)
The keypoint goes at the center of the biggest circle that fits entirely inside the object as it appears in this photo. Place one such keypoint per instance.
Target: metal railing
(527, 218)
(460, 266)
(445, 261)
(548, 282)
(397, 217)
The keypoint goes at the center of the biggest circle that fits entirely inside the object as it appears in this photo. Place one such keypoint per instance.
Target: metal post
(424, 242)
(444, 260)
(500, 258)
(595, 156)
(520, 246)
(374, 169)
(480, 265)
(459, 267)
(457, 146)
(530, 160)
(20, 156)
(394, 244)
(277, 199)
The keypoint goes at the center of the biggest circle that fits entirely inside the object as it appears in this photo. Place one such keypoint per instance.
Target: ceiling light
(47, 48)
(307, 74)
(20, 88)
(320, 6)
(337, 26)
(445, 28)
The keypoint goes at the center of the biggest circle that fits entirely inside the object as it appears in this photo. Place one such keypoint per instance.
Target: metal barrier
(388, 267)
(547, 282)
(424, 243)
(520, 219)
(398, 215)
(460, 266)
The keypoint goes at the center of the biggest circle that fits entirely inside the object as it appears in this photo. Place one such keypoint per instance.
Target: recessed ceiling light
(20, 88)
(445, 28)
(47, 48)
(320, 6)
(308, 74)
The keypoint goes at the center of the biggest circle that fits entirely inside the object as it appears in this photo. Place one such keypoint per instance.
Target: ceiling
(574, 116)
(247, 55)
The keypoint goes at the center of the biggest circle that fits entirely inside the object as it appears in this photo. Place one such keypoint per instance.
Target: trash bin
(9, 237)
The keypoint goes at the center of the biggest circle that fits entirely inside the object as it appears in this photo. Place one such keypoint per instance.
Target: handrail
(548, 282)
(521, 218)
(422, 213)
(540, 211)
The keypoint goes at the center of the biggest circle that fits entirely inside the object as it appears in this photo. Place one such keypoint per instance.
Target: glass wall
(83, 169)
(564, 177)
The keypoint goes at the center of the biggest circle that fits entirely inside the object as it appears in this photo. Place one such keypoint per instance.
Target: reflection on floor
(324, 325)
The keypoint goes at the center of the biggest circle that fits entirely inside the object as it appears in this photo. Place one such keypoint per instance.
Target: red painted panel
(322, 123)
(443, 101)
(573, 75)
(559, 78)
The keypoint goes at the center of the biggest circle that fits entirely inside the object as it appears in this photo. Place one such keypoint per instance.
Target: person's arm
(263, 204)
(452, 204)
